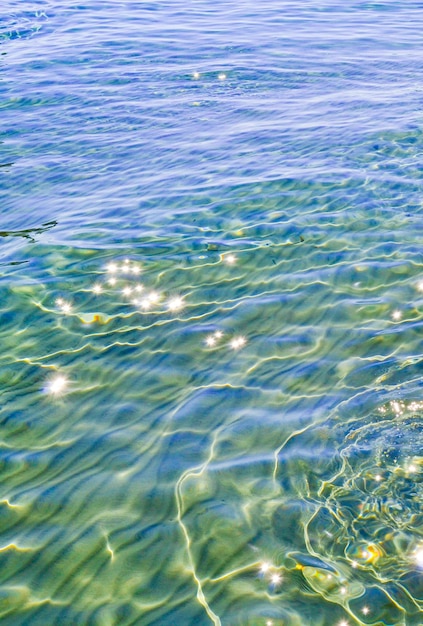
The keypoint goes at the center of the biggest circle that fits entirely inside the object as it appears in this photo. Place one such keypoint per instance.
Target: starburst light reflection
(418, 557)
(112, 268)
(396, 315)
(276, 579)
(151, 299)
(230, 259)
(57, 385)
(97, 288)
(237, 342)
(154, 297)
(146, 304)
(66, 307)
(222, 76)
(175, 304)
(210, 341)
(265, 567)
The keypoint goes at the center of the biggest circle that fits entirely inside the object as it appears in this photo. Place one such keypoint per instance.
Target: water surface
(211, 313)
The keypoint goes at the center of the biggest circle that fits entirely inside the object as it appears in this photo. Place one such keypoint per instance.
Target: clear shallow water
(251, 453)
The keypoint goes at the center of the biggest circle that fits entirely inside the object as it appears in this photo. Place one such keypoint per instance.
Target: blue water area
(211, 306)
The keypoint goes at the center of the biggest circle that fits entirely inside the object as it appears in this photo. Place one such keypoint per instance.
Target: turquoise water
(211, 308)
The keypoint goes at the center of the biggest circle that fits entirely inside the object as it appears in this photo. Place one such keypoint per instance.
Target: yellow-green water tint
(150, 475)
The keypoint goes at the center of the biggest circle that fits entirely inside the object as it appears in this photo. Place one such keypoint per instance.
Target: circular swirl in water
(360, 512)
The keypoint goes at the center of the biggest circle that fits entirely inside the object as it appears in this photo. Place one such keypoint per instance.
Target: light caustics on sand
(195, 473)
(149, 300)
(364, 558)
(145, 299)
(118, 284)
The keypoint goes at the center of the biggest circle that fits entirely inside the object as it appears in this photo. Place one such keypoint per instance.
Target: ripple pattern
(211, 311)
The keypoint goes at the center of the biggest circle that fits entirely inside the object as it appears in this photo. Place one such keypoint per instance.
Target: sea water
(211, 313)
